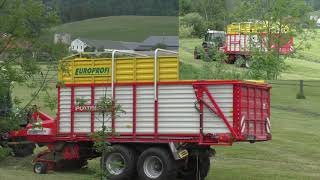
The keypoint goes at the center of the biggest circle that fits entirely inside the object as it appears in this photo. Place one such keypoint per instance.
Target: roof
(168, 40)
(106, 44)
(172, 42)
(131, 45)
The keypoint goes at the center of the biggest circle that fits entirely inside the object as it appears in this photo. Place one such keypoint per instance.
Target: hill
(122, 28)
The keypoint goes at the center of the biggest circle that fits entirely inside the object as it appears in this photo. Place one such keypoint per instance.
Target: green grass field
(122, 28)
(293, 153)
(305, 66)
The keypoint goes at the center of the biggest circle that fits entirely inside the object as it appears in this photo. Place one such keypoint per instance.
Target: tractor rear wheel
(231, 59)
(196, 54)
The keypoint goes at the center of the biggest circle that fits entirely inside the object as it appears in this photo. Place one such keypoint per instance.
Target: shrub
(212, 54)
(185, 31)
(4, 152)
(196, 21)
(266, 65)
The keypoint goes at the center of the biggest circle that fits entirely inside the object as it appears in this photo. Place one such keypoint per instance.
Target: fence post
(300, 94)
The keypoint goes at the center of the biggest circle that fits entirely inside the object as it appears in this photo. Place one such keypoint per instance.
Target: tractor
(212, 39)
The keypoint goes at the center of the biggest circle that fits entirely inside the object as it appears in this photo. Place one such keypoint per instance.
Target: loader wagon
(168, 128)
(242, 39)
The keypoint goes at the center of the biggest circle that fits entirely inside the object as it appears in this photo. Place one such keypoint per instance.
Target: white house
(78, 45)
(318, 22)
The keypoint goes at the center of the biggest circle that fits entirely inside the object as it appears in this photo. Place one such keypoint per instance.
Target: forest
(75, 10)
(216, 14)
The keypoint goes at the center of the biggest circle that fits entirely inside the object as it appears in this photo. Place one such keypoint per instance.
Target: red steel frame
(201, 90)
(286, 49)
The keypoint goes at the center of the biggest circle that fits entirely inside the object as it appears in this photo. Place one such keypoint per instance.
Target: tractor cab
(213, 38)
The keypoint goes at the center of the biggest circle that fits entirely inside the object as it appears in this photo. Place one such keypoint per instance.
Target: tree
(109, 110)
(185, 7)
(281, 19)
(74, 10)
(202, 15)
(22, 46)
(196, 21)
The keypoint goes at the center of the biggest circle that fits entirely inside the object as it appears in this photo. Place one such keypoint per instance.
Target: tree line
(198, 16)
(75, 10)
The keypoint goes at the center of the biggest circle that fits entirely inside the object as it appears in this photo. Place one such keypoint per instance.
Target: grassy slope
(292, 154)
(294, 150)
(123, 28)
(307, 66)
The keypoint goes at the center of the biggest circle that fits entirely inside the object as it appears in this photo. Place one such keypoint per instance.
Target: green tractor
(211, 39)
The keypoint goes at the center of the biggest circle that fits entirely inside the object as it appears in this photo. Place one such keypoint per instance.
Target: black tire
(231, 59)
(190, 172)
(23, 150)
(196, 54)
(129, 157)
(169, 166)
(40, 168)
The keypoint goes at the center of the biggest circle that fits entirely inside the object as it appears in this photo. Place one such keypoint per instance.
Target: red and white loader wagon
(168, 130)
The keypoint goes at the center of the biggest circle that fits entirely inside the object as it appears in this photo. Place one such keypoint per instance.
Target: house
(64, 38)
(171, 43)
(80, 44)
(318, 22)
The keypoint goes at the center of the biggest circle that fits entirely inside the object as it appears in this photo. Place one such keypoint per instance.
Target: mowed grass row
(122, 28)
(305, 66)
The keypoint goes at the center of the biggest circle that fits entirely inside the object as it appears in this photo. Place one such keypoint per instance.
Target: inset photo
(263, 39)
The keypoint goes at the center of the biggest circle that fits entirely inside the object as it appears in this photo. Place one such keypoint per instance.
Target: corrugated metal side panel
(176, 113)
(99, 93)
(176, 110)
(82, 120)
(127, 70)
(223, 95)
(244, 42)
(168, 69)
(145, 109)
(124, 121)
(65, 110)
